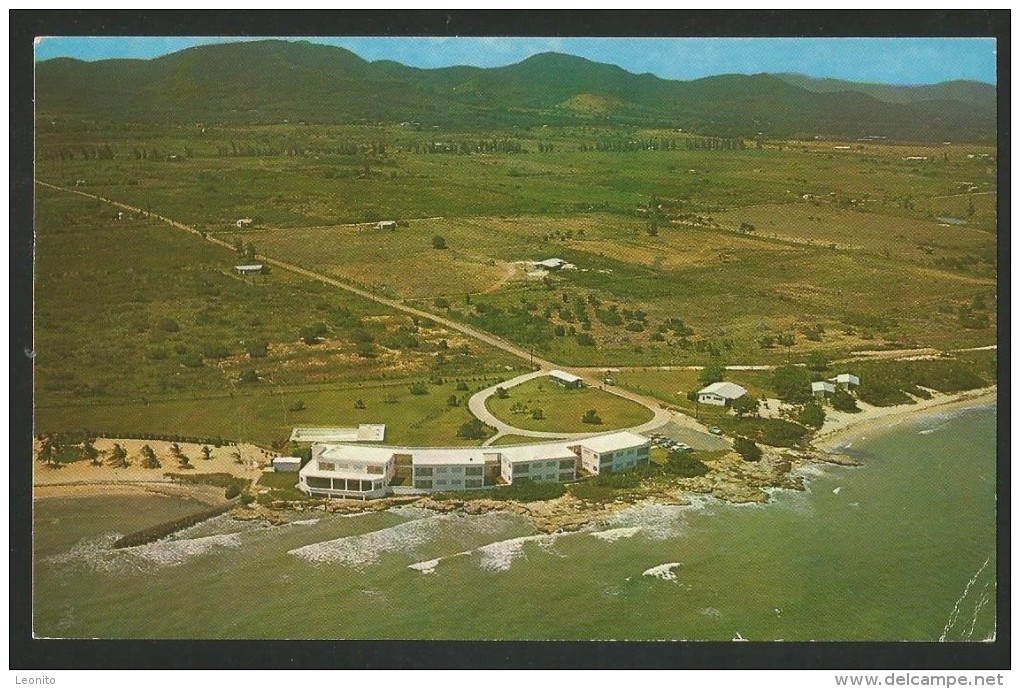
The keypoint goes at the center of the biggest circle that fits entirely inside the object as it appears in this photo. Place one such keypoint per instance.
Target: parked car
(715, 430)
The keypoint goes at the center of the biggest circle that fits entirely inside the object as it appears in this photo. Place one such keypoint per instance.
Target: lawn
(263, 415)
(562, 409)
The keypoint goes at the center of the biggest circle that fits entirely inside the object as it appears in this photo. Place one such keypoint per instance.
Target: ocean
(902, 548)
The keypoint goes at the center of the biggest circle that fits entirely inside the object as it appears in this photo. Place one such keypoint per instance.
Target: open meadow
(742, 252)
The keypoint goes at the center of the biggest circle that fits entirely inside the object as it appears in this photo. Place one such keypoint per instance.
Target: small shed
(249, 269)
(822, 388)
(241, 222)
(721, 394)
(286, 464)
(846, 380)
(386, 225)
(565, 379)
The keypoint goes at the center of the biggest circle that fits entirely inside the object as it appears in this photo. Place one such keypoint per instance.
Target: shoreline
(848, 428)
(732, 480)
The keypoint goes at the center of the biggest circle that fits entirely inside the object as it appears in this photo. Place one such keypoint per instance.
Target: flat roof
(366, 433)
(614, 441)
(370, 454)
(476, 456)
(250, 266)
(822, 385)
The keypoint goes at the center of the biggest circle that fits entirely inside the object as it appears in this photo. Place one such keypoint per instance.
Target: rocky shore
(730, 479)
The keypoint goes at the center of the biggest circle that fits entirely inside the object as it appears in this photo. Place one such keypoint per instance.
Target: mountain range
(273, 81)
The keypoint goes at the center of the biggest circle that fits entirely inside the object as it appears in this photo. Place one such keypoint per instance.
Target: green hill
(273, 81)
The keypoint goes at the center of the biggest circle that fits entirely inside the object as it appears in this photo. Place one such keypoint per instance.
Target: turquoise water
(900, 549)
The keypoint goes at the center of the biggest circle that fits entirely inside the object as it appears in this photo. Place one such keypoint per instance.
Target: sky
(885, 60)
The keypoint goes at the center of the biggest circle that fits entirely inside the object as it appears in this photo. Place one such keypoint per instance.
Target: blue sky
(888, 60)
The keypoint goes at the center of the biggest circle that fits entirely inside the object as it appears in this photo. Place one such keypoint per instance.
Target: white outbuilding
(721, 394)
(822, 388)
(286, 464)
(565, 379)
(846, 380)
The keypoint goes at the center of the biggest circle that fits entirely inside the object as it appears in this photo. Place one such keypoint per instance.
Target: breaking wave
(666, 572)
(366, 548)
(616, 534)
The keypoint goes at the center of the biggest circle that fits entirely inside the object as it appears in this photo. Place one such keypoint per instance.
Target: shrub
(472, 430)
(258, 349)
(682, 464)
(299, 405)
(418, 389)
(812, 415)
(169, 325)
(249, 375)
(232, 491)
(438, 242)
(191, 360)
(747, 449)
(844, 401)
(591, 416)
(452, 401)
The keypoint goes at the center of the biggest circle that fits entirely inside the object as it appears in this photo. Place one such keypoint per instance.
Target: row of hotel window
(467, 471)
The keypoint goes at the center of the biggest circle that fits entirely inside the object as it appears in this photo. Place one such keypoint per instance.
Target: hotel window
(427, 484)
(522, 468)
(566, 464)
(566, 475)
(423, 471)
(473, 483)
(318, 482)
(375, 470)
(473, 471)
(325, 466)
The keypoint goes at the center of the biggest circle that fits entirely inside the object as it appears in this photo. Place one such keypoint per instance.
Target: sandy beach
(83, 478)
(841, 428)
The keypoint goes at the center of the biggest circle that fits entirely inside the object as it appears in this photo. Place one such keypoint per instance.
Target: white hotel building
(365, 471)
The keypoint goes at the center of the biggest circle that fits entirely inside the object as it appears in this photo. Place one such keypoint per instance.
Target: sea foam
(666, 572)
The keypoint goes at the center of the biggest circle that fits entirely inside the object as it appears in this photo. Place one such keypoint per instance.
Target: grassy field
(266, 415)
(132, 309)
(563, 408)
(513, 440)
(847, 253)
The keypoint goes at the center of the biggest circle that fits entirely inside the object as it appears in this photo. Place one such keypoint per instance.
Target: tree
(591, 416)
(118, 456)
(249, 375)
(711, 374)
(48, 449)
(149, 458)
(472, 430)
(462, 386)
(438, 242)
(452, 401)
(747, 449)
(502, 393)
(812, 415)
(89, 451)
(206, 452)
(818, 361)
(537, 414)
(744, 405)
(792, 384)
